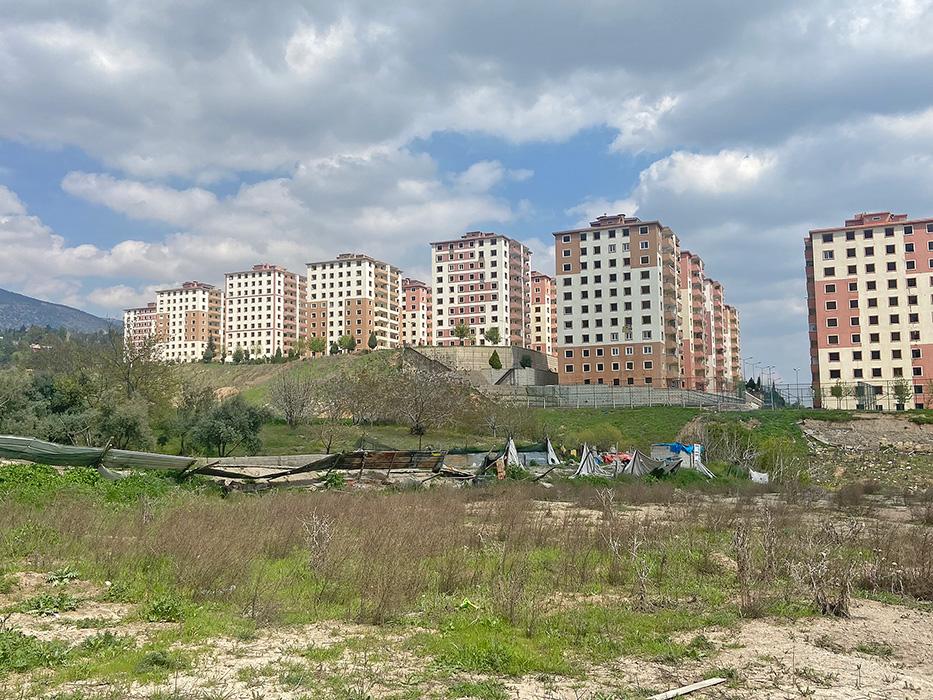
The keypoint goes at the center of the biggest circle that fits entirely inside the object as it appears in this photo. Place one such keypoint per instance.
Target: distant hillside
(18, 310)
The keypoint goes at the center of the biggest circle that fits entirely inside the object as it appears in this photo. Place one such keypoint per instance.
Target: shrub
(494, 360)
(165, 608)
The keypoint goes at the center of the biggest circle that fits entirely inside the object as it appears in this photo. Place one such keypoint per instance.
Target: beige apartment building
(139, 325)
(635, 310)
(543, 313)
(188, 319)
(355, 295)
(483, 282)
(618, 307)
(264, 310)
(870, 307)
(417, 314)
(733, 346)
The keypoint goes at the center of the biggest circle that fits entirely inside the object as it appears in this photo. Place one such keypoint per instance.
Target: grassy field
(160, 590)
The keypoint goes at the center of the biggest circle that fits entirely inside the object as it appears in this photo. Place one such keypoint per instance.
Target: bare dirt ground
(873, 433)
(882, 652)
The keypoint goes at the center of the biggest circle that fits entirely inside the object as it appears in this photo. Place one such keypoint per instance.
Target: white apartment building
(482, 281)
(417, 313)
(139, 325)
(187, 318)
(354, 295)
(264, 310)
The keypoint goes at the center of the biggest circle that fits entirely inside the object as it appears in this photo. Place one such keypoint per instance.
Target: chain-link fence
(879, 395)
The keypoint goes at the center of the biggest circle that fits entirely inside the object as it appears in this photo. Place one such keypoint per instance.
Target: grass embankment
(475, 585)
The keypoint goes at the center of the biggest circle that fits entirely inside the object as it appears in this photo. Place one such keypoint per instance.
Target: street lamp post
(770, 385)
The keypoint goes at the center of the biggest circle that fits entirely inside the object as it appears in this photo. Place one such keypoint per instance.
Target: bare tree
(428, 399)
(330, 404)
(292, 396)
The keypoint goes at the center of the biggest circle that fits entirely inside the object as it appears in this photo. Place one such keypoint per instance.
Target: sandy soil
(869, 432)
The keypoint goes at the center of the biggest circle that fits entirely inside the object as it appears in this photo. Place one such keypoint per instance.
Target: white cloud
(9, 203)
(587, 210)
(724, 172)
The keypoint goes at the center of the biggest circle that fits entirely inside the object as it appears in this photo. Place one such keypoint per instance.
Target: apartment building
(870, 309)
(139, 325)
(618, 304)
(264, 312)
(482, 281)
(188, 319)
(543, 313)
(717, 323)
(698, 372)
(355, 295)
(417, 314)
(733, 350)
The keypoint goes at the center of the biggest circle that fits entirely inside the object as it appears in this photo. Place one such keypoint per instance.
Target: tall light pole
(770, 385)
(797, 385)
(745, 361)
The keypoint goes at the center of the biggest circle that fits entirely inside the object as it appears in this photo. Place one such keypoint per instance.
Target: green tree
(347, 343)
(278, 358)
(317, 346)
(238, 354)
(229, 426)
(492, 336)
(193, 402)
(373, 342)
(839, 391)
(494, 360)
(462, 331)
(901, 391)
(334, 349)
(209, 351)
(123, 424)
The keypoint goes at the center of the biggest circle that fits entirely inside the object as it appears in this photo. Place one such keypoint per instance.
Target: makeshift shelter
(642, 465)
(591, 465)
(511, 454)
(551, 458)
(689, 456)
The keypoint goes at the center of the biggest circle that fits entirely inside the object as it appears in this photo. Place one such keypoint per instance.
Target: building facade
(733, 345)
(264, 313)
(417, 313)
(697, 370)
(189, 320)
(870, 311)
(618, 304)
(543, 313)
(355, 295)
(139, 325)
(481, 282)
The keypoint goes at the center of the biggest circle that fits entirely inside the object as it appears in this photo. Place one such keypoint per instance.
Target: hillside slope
(17, 310)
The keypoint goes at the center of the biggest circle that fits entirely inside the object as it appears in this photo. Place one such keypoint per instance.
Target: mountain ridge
(17, 310)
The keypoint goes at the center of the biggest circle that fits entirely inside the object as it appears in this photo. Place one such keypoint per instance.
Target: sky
(145, 143)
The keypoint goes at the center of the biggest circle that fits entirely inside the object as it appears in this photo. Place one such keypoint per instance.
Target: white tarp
(552, 458)
(759, 477)
(511, 454)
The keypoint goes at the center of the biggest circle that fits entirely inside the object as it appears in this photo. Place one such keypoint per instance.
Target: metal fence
(879, 395)
(606, 396)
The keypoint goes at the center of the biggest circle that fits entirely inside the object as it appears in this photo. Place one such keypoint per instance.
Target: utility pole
(797, 385)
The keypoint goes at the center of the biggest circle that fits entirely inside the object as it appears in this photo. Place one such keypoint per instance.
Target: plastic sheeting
(42, 452)
(511, 454)
(552, 458)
